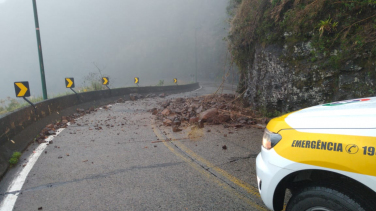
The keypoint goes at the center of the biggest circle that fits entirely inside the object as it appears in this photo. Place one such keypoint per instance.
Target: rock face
(287, 78)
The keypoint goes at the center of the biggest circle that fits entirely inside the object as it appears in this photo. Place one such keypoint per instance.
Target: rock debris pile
(210, 109)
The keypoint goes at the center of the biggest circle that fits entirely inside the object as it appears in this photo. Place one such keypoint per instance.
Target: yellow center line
(206, 173)
(250, 189)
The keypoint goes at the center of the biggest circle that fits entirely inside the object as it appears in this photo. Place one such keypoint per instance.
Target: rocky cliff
(275, 83)
(295, 53)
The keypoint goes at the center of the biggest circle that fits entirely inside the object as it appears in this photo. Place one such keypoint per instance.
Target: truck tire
(320, 197)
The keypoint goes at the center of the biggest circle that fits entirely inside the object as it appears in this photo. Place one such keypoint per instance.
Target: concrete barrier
(19, 128)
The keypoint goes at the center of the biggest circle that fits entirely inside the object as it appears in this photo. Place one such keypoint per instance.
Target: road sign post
(22, 90)
(137, 80)
(176, 81)
(196, 51)
(41, 65)
(106, 81)
(69, 83)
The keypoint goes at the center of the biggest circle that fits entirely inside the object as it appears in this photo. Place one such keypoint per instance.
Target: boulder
(167, 122)
(165, 104)
(208, 114)
(176, 129)
(199, 109)
(200, 124)
(133, 97)
(193, 120)
(176, 121)
(50, 126)
(221, 118)
(120, 100)
(166, 112)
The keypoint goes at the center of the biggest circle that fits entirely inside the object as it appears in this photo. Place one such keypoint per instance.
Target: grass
(14, 159)
(327, 25)
(160, 83)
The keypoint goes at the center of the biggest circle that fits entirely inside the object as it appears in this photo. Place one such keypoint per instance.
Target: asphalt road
(136, 163)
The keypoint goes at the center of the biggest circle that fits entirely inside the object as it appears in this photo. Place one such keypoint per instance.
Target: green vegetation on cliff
(338, 30)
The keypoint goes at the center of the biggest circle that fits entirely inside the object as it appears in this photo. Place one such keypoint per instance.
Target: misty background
(150, 39)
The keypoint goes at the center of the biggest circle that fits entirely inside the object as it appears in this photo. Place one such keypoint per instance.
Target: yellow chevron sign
(175, 80)
(105, 81)
(69, 82)
(136, 80)
(22, 89)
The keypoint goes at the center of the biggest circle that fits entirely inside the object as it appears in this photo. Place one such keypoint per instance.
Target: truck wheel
(325, 198)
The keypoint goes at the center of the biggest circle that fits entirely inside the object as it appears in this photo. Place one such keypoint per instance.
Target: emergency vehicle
(324, 155)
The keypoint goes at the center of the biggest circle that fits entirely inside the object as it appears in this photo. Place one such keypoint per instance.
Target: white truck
(324, 155)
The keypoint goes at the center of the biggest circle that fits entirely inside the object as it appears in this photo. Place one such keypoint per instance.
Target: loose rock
(120, 100)
(201, 124)
(176, 122)
(133, 97)
(210, 113)
(176, 129)
(166, 112)
(167, 122)
(193, 120)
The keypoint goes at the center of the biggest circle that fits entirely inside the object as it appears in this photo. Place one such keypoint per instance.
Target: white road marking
(197, 89)
(15, 187)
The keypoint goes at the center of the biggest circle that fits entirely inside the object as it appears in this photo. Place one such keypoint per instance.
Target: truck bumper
(268, 175)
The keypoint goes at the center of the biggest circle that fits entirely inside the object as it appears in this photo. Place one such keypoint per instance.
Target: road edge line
(15, 186)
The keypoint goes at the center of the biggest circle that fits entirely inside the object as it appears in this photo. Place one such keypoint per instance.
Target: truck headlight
(269, 140)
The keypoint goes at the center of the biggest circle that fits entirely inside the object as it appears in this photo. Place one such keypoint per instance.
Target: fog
(151, 39)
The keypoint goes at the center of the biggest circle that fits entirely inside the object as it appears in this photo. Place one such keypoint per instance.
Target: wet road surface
(122, 158)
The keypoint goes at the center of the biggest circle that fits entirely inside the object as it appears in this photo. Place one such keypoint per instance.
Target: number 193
(369, 150)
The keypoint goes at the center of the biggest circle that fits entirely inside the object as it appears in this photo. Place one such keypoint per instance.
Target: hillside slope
(297, 53)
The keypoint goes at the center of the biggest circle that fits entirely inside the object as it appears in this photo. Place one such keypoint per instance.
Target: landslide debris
(51, 129)
(214, 109)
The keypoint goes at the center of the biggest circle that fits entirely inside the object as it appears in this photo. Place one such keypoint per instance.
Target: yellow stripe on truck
(342, 152)
(278, 123)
